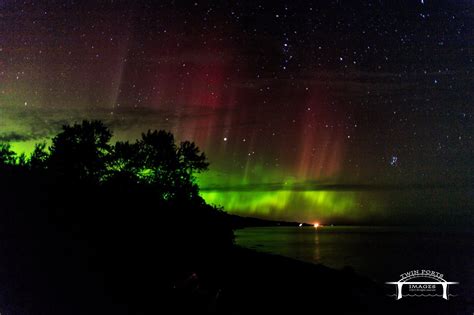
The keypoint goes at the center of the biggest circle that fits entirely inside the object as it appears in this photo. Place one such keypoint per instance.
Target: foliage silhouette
(39, 157)
(7, 156)
(84, 185)
(83, 152)
(80, 151)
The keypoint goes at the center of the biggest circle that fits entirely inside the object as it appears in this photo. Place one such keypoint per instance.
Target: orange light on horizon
(316, 225)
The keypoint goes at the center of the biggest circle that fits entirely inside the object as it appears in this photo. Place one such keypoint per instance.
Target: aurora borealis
(310, 110)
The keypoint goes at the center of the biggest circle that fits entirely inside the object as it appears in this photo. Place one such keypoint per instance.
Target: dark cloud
(13, 136)
(317, 186)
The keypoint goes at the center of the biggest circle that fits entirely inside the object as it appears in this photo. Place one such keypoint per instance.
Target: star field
(284, 97)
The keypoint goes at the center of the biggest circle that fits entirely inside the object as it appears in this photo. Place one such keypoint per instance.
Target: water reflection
(317, 249)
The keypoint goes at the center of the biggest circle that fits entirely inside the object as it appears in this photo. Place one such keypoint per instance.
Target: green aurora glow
(338, 114)
(314, 205)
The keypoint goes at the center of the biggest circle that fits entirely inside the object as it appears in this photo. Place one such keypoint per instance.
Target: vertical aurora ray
(312, 149)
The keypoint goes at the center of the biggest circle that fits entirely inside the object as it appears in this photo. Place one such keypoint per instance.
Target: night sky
(328, 111)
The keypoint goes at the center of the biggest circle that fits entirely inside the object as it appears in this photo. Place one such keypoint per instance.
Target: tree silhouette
(158, 158)
(190, 158)
(39, 157)
(168, 167)
(7, 156)
(80, 151)
(123, 164)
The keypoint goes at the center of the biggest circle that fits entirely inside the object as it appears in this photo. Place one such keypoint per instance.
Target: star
(394, 160)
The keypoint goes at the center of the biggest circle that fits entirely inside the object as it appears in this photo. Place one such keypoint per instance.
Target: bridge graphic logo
(422, 283)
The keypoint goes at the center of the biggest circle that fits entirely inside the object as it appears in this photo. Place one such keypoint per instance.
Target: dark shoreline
(255, 282)
(49, 276)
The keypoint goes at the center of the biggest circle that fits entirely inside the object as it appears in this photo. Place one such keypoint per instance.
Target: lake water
(380, 253)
